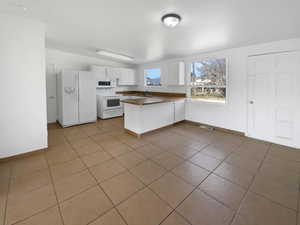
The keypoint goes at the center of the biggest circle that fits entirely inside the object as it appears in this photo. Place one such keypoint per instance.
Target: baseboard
(217, 128)
(23, 155)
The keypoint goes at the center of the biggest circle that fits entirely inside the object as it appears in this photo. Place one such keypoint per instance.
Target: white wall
(23, 119)
(232, 115)
(57, 60)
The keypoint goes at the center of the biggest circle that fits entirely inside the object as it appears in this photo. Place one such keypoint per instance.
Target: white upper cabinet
(100, 72)
(176, 73)
(127, 77)
(113, 73)
(124, 75)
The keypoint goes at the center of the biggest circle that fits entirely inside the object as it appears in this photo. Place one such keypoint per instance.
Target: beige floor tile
(100, 138)
(175, 219)
(73, 185)
(249, 164)
(205, 161)
(107, 170)
(131, 159)
(48, 217)
(86, 146)
(22, 206)
(28, 165)
(118, 149)
(56, 156)
(283, 177)
(110, 218)
(148, 171)
(111, 142)
(258, 210)
(64, 170)
(235, 174)
(73, 133)
(168, 160)
(5, 170)
(223, 190)
(280, 193)
(171, 189)
(96, 158)
(85, 207)
(30, 182)
(91, 129)
(149, 150)
(56, 138)
(199, 208)
(218, 152)
(184, 151)
(136, 212)
(284, 153)
(287, 165)
(3, 197)
(121, 187)
(134, 143)
(191, 173)
(254, 149)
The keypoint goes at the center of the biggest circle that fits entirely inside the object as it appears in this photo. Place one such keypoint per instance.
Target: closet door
(87, 97)
(272, 97)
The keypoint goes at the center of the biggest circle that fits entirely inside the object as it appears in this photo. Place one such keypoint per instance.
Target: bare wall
(23, 120)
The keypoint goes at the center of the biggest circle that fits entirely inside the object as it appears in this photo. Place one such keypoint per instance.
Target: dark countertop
(151, 100)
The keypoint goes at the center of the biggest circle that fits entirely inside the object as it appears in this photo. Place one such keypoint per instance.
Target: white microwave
(105, 84)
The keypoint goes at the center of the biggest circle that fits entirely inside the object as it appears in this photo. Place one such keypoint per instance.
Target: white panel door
(51, 93)
(87, 97)
(272, 98)
(70, 97)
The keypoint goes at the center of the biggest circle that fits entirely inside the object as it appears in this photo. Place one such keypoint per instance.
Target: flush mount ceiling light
(114, 55)
(171, 20)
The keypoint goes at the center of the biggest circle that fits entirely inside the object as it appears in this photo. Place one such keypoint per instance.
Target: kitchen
(149, 112)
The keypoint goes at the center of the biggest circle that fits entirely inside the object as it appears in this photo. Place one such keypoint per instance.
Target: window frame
(190, 86)
(145, 78)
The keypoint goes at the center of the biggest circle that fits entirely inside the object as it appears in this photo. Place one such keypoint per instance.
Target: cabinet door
(179, 111)
(131, 77)
(101, 72)
(127, 77)
(113, 73)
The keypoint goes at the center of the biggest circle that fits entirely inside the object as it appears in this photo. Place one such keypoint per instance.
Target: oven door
(112, 103)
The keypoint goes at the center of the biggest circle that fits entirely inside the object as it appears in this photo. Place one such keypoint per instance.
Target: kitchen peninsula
(144, 114)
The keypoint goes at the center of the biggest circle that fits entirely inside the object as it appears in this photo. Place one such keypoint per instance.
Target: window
(152, 77)
(208, 80)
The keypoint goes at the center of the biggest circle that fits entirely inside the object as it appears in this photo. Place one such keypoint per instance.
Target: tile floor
(182, 175)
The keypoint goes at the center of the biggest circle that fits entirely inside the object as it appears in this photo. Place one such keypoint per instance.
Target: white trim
(188, 80)
(149, 68)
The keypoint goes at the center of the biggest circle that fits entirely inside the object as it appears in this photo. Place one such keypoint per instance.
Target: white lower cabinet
(179, 111)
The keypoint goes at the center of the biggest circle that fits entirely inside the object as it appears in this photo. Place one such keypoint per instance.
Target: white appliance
(76, 95)
(109, 106)
(104, 84)
(103, 79)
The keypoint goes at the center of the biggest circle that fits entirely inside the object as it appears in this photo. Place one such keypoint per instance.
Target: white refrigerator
(76, 95)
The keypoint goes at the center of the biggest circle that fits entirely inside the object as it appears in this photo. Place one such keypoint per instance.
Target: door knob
(251, 102)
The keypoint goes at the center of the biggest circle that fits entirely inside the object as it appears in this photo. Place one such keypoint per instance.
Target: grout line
(54, 189)
(99, 186)
(7, 192)
(197, 188)
(249, 187)
(170, 170)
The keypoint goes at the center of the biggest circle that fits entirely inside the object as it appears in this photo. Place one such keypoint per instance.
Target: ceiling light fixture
(114, 55)
(171, 20)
